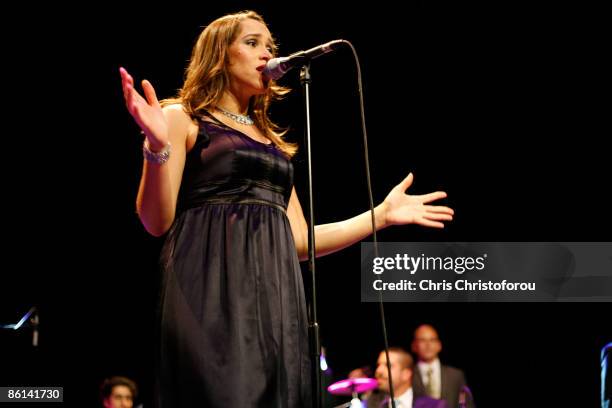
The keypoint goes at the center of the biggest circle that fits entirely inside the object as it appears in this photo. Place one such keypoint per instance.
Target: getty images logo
(413, 264)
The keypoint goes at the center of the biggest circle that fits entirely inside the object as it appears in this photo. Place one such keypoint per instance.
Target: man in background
(401, 374)
(118, 392)
(431, 377)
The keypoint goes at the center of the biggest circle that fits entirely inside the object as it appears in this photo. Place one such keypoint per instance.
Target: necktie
(430, 385)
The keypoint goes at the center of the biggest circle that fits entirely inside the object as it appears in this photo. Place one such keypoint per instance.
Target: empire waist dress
(233, 322)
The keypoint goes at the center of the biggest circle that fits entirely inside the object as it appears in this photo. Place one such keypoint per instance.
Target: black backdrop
(500, 105)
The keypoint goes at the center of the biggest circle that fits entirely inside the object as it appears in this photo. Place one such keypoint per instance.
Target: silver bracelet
(156, 157)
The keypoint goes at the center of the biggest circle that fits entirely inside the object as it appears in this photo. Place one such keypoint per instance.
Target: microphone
(277, 67)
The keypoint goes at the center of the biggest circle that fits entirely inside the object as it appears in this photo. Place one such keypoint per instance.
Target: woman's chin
(263, 85)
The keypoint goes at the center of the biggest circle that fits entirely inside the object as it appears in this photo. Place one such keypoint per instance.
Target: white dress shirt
(404, 400)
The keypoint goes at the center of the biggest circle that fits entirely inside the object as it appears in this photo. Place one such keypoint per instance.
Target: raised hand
(402, 208)
(146, 112)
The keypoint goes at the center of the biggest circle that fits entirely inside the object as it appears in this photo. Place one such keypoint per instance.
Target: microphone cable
(371, 203)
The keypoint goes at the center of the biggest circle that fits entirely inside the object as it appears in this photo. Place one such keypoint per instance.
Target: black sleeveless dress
(233, 317)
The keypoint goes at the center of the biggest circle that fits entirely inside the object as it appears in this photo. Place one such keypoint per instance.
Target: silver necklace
(242, 119)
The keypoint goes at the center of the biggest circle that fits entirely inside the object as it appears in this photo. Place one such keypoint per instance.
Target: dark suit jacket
(452, 381)
(379, 400)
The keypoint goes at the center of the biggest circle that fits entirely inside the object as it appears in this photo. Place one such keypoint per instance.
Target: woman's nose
(267, 55)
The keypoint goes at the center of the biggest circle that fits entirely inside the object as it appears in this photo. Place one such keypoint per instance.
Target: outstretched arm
(398, 208)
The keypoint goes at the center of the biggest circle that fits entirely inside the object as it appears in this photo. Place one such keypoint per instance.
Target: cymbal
(351, 385)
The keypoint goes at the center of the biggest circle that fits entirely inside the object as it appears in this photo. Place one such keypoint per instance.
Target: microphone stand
(315, 340)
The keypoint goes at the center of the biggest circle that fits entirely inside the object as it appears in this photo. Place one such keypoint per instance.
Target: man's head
(118, 392)
(426, 343)
(401, 370)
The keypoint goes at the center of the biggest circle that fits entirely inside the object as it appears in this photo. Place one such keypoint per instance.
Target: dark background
(501, 105)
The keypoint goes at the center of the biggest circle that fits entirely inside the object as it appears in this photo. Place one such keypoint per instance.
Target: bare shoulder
(176, 112)
(179, 122)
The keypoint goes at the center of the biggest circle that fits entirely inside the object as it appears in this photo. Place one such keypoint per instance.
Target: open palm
(146, 112)
(402, 208)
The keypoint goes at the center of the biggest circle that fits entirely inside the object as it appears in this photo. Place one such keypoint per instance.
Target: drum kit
(352, 387)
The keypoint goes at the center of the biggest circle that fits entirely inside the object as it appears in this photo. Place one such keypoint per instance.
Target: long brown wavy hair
(207, 77)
